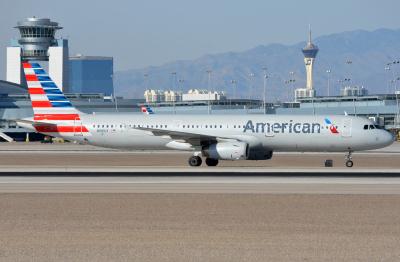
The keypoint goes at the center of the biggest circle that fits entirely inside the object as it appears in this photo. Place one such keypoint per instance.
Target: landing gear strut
(195, 161)
(211, 161)
(348, 158)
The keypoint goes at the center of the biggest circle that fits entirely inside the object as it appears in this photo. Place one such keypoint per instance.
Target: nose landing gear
(348, 158)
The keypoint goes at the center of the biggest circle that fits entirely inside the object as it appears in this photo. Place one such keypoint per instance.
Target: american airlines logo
(332, 127)
(288, 127)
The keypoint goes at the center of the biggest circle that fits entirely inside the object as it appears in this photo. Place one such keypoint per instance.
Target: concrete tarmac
(80, 203)
(199, 227)
(72, 157)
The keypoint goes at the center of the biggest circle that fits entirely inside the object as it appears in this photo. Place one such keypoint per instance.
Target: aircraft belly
(131, 141)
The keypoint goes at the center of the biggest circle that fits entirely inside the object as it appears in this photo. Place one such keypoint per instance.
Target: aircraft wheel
(211, 161)
(349, 163)
(195, 161)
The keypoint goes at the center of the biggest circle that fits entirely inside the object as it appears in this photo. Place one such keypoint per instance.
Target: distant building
(354, 91)
(203, 95)
(91, 74)
(303, 92)
(153, 96)
(172, 96)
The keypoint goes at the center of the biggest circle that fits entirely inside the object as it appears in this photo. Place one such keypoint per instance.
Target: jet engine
(259, 154)
(227, 151)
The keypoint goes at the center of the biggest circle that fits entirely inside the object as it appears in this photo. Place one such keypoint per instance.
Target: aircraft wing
(191, 138)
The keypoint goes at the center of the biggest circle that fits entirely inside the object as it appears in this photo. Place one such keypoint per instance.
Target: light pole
(209, 85)
(265, 89)
(292, 80)
(349, 62)
(329, 80)
(251, 75)
(387, 69)
(234, 82)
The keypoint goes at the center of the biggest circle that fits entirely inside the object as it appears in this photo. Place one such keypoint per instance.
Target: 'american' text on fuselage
(288, 127)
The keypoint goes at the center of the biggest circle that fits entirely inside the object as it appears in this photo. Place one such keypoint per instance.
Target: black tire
(194, 161)
(349, 163)
(211, 161)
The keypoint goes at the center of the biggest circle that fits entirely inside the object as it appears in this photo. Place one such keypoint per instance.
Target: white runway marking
(207, 184)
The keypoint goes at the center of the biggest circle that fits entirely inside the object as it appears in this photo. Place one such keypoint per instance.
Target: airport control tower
(38, 43)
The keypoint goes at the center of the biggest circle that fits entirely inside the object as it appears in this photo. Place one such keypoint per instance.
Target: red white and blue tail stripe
(147, 110)
(51, 108)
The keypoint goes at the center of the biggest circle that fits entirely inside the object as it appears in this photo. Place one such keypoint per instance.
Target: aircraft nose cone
(388, 138)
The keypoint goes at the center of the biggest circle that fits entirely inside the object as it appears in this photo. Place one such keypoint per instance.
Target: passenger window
(365, 127)
(215, 126)
(183, 126)
(192, 126)
(206, 126)
(234, 126)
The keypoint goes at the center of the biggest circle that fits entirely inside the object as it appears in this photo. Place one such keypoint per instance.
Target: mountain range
(360, 56)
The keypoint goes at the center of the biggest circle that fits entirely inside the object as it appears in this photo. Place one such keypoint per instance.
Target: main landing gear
(348, 158)
(196, 161)
(211, 161)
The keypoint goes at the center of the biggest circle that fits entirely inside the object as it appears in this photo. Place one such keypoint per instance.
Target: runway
(282, 184)
(22, 157)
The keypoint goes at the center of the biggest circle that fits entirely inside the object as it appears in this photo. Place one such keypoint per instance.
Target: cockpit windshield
(366, 127)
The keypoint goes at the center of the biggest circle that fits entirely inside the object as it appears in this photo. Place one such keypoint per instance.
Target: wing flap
(192, 138)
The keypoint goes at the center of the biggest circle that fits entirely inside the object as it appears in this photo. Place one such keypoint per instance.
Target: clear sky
(142, 33)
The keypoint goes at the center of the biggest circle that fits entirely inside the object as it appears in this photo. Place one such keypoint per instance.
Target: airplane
(215, 137)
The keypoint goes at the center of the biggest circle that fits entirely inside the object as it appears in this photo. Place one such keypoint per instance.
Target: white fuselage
(271, 132)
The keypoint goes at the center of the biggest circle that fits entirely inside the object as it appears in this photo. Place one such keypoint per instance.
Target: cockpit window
(377, 127)
(365, 127)
(371, 127)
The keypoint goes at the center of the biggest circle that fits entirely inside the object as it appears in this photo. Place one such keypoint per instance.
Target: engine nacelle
(259, 154)
(227, 151)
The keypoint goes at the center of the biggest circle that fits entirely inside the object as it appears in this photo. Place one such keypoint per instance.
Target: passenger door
(346, 127)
